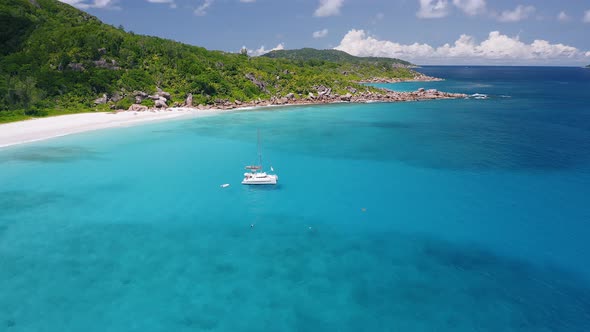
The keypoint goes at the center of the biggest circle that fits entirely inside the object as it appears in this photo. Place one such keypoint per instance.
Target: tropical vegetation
(56, 59)
(311, 54)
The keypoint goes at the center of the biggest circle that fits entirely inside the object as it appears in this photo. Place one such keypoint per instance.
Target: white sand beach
(45, 128)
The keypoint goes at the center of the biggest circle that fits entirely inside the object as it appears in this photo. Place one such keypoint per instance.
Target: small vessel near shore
(256, 174)
(479, 96)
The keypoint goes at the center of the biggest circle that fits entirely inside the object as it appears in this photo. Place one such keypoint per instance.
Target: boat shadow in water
(263, 187)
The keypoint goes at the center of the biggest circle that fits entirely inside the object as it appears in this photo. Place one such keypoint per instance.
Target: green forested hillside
(311, 54)
(56, 59)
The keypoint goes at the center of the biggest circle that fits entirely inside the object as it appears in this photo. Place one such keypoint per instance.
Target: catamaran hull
(259, 181)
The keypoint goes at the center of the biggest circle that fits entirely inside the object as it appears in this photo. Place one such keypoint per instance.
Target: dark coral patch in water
(279, 277)
(18, 201)
(49, 154)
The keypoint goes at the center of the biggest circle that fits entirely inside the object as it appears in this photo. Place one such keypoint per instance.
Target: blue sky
(423, 31)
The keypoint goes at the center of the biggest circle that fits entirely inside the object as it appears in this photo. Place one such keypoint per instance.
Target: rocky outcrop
(279, 101)
(102, 100)
(323, 91)
(189, 100)
(328, 97)
(346, 97)
(419, 77)
(103, 63)
(76, 66)
(160, 98)
(159, 95)
(162, 93)
(140, 96)
(325, 95)
(137, 108)
(260, 84)
(115, 97)
(160, 103)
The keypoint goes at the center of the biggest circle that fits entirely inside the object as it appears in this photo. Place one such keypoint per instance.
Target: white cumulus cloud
(328, 8)
(518, 14)
(586, 16)
(262, 50)
(357, 42)
(170, 3)
(203, 7)
(563, 17)
(497, 49)
(433, 9)
(320, 34)
(101, 4)
(471, 7)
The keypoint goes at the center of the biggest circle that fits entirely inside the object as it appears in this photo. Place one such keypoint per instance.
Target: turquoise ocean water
(453, 215)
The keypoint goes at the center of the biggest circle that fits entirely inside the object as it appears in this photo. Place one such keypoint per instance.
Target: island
(56, 59)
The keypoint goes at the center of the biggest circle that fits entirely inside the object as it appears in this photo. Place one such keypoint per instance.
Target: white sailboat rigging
(256, 174)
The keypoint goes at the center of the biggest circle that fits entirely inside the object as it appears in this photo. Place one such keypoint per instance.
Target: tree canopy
(307, 54)
(57, 59)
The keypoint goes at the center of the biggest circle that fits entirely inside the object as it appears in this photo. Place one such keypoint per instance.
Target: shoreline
(38, 129)
(326, 97)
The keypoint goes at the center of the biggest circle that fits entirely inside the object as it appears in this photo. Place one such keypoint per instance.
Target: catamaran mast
(259, 152)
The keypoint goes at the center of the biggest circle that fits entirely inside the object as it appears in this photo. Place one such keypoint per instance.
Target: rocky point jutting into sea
(418, 77)
(324, 95)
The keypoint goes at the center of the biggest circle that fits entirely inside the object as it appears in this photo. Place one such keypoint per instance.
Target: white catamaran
(256, 174)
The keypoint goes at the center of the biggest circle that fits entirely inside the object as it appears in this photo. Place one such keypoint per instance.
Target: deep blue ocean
(447, 215)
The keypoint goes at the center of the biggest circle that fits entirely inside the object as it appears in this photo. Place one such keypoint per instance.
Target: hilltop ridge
(332, 55)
